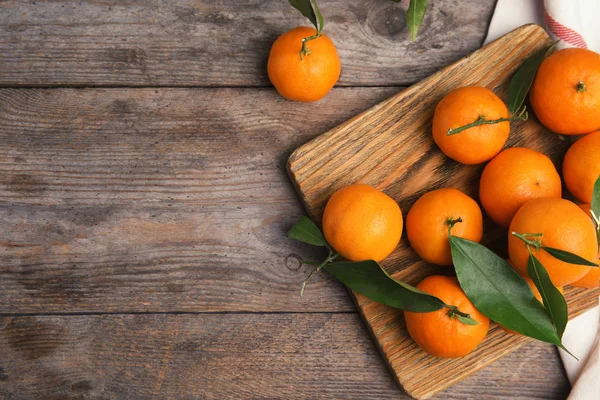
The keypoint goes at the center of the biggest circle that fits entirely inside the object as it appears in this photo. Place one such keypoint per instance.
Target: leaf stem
(581, 86)
(453, 311)
(304, 51)
(451, 222)
(330, 257)
(522, 116)
(535, 243)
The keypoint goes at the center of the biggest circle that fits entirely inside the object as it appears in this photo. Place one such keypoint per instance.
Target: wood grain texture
(120, 200)
(221, 43)
(390, 147)
(291, 356)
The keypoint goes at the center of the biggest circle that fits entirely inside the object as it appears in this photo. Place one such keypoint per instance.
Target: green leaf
(554, 302)
(467, 320)
(307, 232)
(372, 281)
(568, 257)
(319, 15)
(499, 292)
(595, 205)
(414, 16)
(310, 10)
(523, 78)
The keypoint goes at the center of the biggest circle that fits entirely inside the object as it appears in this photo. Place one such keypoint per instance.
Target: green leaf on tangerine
(523, 78)
(553, 300)
(568, 257)
(499, 292)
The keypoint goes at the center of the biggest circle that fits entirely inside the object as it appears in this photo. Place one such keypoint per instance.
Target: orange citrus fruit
(565, 94)
(564, 226)
(537, 295)
(427, 223)
(592, 278)
(440, 333)
(362, 223)
(461, 107)
(513, 177)
(581, 166)
(307, 78)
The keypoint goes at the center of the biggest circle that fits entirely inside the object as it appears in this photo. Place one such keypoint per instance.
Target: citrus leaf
(467, 320)
(414, 16)
(499, 292)
(307, 232)
(554, 302)
(370, 280)
(310, 10)
(568, 257)
(523, 78)
(319, 15)
(595, 204)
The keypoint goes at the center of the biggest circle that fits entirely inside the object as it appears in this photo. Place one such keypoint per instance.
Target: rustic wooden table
(144, 201)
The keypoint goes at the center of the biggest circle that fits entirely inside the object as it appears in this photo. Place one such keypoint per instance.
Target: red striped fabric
(565, 33)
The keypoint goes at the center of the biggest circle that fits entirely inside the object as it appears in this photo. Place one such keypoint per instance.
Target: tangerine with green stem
(303, 73)
(556, 223)
(443, 333)
(565, 94)
(430, 216)
(471, 124)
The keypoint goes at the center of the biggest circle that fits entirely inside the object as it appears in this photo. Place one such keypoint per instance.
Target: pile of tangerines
(520, 189)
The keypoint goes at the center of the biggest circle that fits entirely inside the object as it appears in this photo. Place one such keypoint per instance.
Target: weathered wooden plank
(157, 200)
(221, 43)
(208, 356)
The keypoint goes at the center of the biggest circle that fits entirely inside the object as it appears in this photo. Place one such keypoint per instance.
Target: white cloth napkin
(576, 24)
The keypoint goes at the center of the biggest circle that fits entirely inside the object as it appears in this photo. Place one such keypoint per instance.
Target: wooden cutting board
(390, 147)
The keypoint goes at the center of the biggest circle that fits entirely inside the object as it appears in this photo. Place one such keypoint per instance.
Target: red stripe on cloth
(565, 33)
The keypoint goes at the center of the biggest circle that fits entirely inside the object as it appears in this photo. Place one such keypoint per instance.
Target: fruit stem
(581, 86)
(535, 243)
(453, 311)
(522, 116)
(330, 257)
(451, 222)
(304, 51)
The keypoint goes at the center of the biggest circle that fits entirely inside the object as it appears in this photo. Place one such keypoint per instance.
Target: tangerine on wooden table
(592, 278)
(464, 106)
(439, 333)
(581, 166)
(565, 94)
(428, 220)
(513, 177)
(307, 78)
(564, 226)
(362, 223)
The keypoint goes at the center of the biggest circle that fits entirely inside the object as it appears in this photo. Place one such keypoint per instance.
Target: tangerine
(428, 220)
(565, 94)
(513, 177)
(562, 225)
(464, 106)
(439, 332)
(581, 166)
(362, 223)
(592, 278)
(307, 77)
